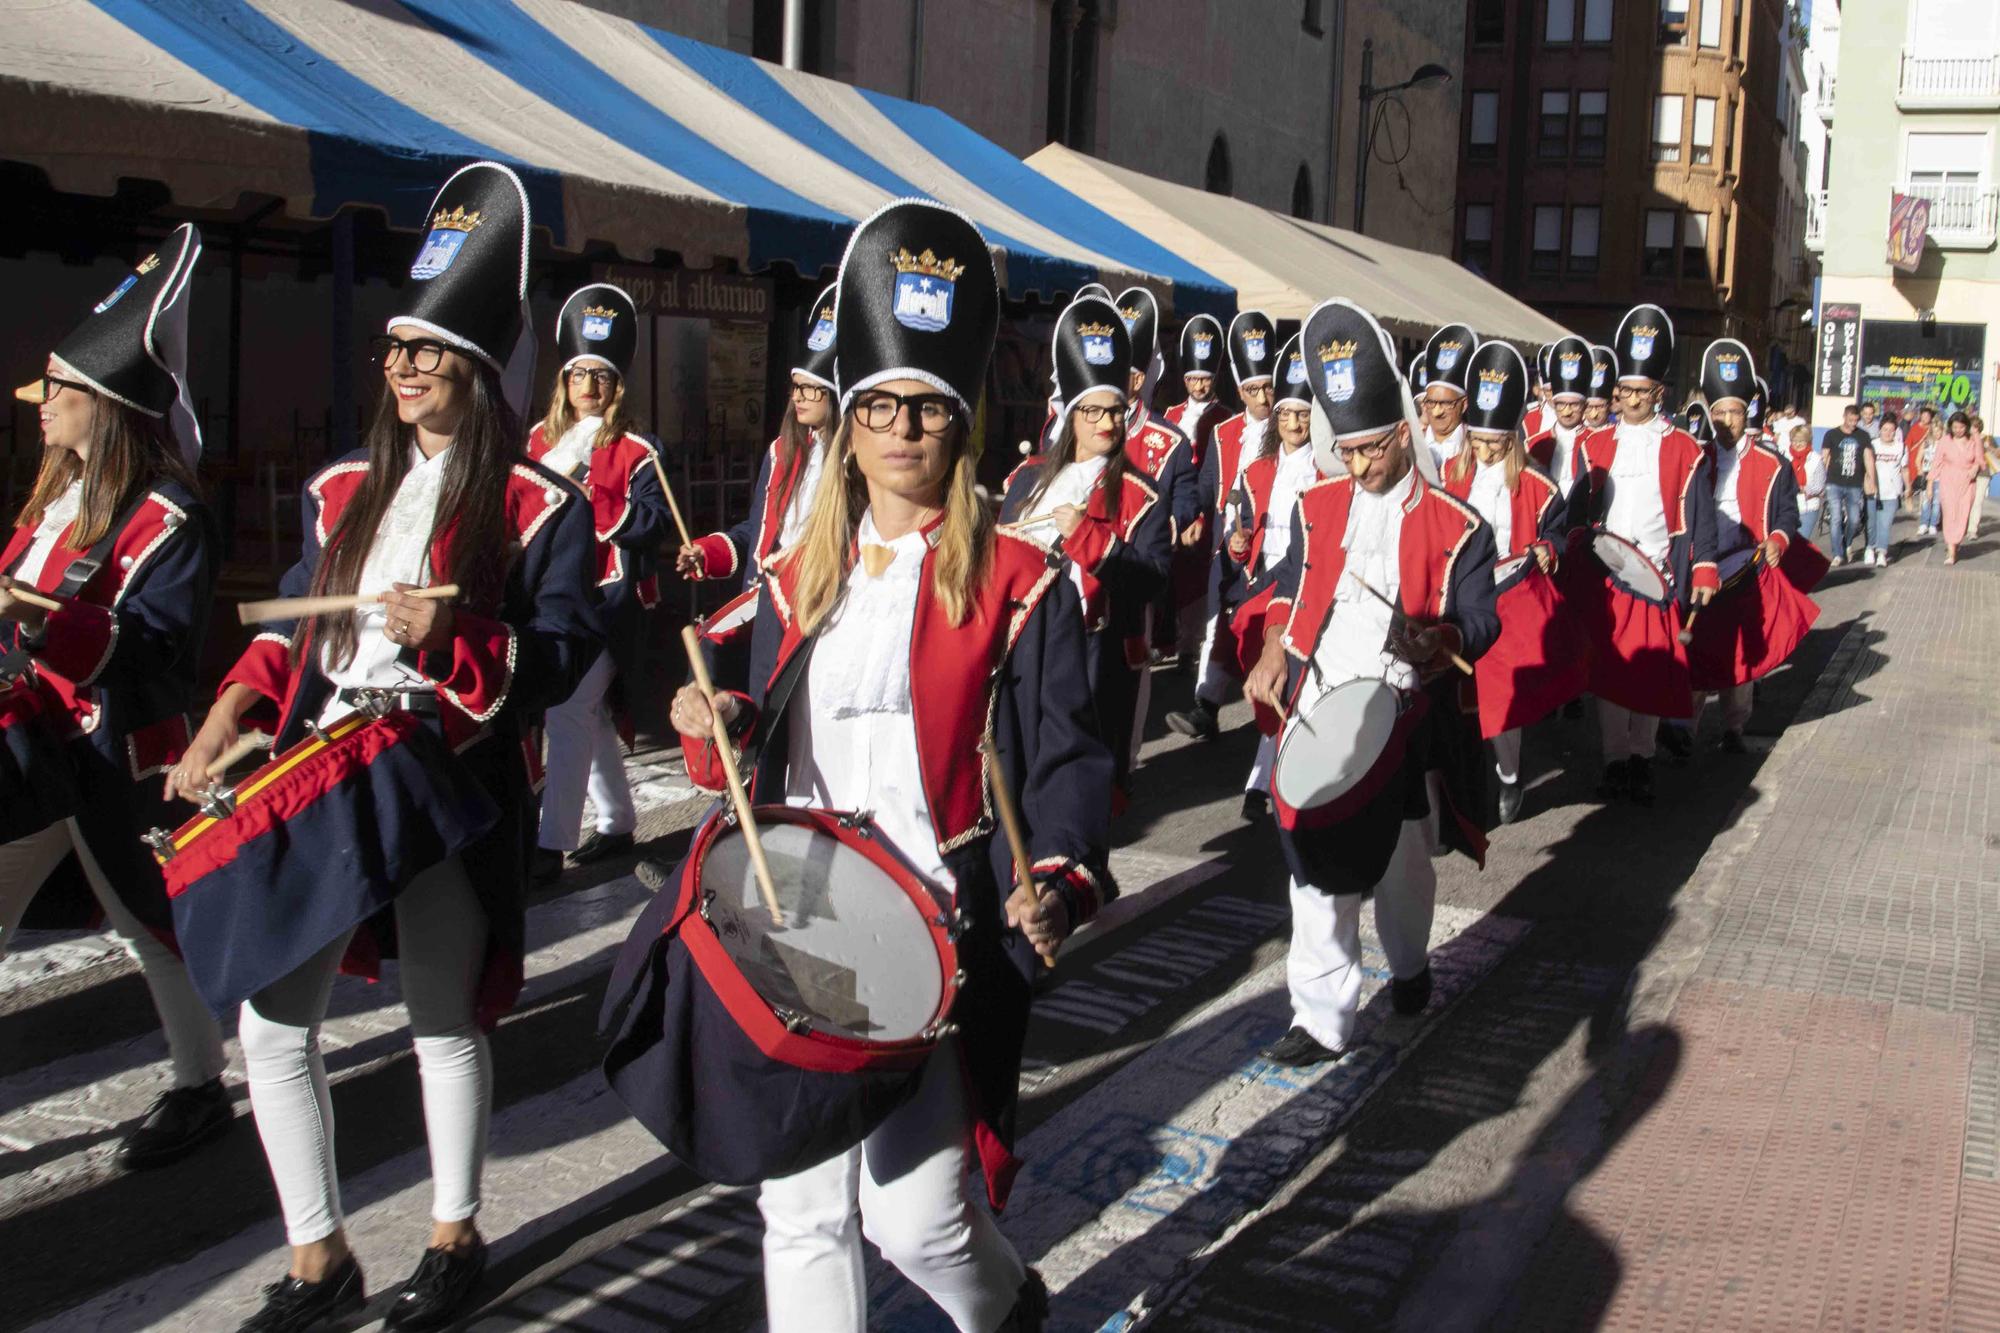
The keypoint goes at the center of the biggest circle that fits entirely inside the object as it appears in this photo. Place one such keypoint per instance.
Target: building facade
(1916, 115)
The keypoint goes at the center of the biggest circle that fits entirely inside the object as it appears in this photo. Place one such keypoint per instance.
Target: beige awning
(1285, 267)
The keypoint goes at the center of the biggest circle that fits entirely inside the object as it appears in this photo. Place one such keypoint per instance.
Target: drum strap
(776, 700)
(15, 662)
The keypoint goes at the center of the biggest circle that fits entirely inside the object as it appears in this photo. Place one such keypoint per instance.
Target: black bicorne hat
(1448, 356)
(1201, 346)
(598, 323)
(1728, 372)
(1092, 351)
(816, 362)
(1569, 368)
(470, 279)
(1291, 382)
(1603, 372)
(917, 298)
(1351, 368)
(1499, 380)
(1253, 346)
(1645, 345)
(1419, 375)
(1141, 312)
(1097, 289)
(132, 346)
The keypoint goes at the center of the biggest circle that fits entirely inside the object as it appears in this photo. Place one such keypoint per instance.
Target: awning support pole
(795, 34)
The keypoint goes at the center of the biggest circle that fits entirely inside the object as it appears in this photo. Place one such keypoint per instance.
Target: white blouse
(1296, 471)
(56, 519)
(1633, 508)
(799, 508)
(1351, 648)
(400, 554)
(1489, 496)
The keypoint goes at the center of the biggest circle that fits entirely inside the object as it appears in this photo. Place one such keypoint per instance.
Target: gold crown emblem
(1451, 345)
(1130, 312)
(1333, 351)
(927, 264)
(456, 219)
(1094, 330)
(1728, 357)
(1492, 376)
(1645, 331)
(149, 263)
(601, 311)
(826, 313)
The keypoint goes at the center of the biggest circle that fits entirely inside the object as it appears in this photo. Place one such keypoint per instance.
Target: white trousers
(1507, 755)
(904, 1187)
(1625, 734)
(1260, 767)
(583, 744)
(1323, 966)
(1737, 701)
(194, 1041)
(1211, 684)
(441, 937)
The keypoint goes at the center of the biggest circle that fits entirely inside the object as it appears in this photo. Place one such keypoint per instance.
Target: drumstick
(29, 596)
(246, 745)
(1017, 840)
(1403, 618)
(295, 608)
(718, 732)
(1686, 636)
(672, 504)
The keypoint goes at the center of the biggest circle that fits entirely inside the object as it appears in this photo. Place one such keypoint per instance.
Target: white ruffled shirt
(1446, 449)
(1351, 648)
(1489, 496)
(400, 553)
(62, 512)
(1072, 486)
(852, 741)
(1632, 504)
(1296, 471)
(1563, 465)
(571, 454)
(793, 526)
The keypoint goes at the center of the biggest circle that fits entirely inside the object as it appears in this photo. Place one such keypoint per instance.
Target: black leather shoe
(1198, 721)
(181, 1120)
(601, 847)
(442, 1291)
(1256, 805)
(1639, 780)
(1616, 781)
(294, 1304)
(1031, 1308)
(1410, 997)
(1732, 743)
(545, 867)
(1510, 801)
(1677, 741)
(1299, 1049)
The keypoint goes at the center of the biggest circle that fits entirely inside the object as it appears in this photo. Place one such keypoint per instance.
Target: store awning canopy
(1285, 266)
(626, 135)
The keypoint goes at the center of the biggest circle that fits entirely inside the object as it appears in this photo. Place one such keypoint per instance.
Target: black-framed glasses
(932, 411)
(602, 376)
(425, 354)
(1371, 449)
(1092, 413)
(1295, 414)
(810, 393)
(52, 385)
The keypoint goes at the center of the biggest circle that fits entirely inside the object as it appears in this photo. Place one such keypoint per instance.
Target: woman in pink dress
(1953, 475)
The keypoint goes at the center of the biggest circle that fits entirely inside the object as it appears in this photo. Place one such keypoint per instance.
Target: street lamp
(1426, 76)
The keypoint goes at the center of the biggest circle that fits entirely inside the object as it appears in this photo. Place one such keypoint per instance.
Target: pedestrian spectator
(1809, 471)
(1923, 450)
(1954, 480)
(1991, 453)
(1869, 422)
(1850, 477)
(1786, 421)
(1889, 451)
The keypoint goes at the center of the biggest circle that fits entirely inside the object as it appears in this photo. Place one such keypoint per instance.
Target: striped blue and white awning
(627, 135)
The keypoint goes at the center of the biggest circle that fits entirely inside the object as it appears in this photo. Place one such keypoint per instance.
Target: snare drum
(1337, 753)
(752, 1049)
(312, 844)
(1629, 568)
(37, 775)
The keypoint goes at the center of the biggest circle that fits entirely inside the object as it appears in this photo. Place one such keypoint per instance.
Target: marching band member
(584, 438)
(114, 530)
(1642, 480)
(1253, 350)
(1380, 518)
(790, 476)
(1196, 416)
(1446, 357)
(1760, 618)
(1553, 449)
(1603, 381)
(1088, 498)
(436, 494)
(1538, 662)
(1541, 410)
(901, 656)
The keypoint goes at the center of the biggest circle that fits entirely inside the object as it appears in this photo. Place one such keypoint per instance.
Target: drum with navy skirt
(823, 1053)
(585, 438)
(1088, 500)
(94, 694)
(397, 818)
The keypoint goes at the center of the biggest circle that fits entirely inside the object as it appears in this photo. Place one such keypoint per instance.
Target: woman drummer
(900, 564)
(439, 493)
(1089, 501)
(115, 531)
(790, 476)
(584, 437)
(1534, 666)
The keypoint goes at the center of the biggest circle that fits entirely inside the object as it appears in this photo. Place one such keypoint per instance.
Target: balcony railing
(1963, 217)
(1816, 220)
(1954, 82)
(1823, 99)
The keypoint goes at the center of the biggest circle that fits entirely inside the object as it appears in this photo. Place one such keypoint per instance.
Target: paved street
(1734, 1061)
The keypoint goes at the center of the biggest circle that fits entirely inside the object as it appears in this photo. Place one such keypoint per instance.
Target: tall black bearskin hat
(1092, 350)
(1645, 346)
(1201, 346)
(1253, 346)
(1727, 372)
(1603, 373)
(469, 284)
(1569, 368)
(917, 298)
(817, 362)
(1351, 369)
(1447, 356)
(1499, 379)
(1141, 312)
(598, 323)
(1289, 383)
(1097, 289)
(1419, 375)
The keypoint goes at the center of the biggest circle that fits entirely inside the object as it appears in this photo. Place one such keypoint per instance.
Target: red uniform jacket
(1204, 429)
(616, 470)
(1108, 554)
(741, 549)
(1535, 506)
(1686, 496)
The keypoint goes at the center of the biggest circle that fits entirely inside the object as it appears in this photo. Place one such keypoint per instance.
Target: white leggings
(194, 1041)
(441, 936)
(583, 743)
(904, 1188)
(1323, 966)
(1626, 734)
(1507, 755)
(1211, 684)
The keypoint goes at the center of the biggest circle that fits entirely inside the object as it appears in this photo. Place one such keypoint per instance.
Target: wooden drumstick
(297, 608)
(28, 596)
(1402, 618)
(1686, 636)
(1017, 839)
(718, 734)
(672, 504)
(246, 745)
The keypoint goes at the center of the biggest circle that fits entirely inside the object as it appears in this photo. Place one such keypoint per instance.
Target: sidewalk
(1783, 1115)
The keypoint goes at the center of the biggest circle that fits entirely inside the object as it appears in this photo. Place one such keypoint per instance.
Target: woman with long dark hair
(439, 494)
(115, 531)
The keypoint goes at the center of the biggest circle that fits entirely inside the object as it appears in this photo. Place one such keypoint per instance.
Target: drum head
(856, 956)
(1628, 566)
(1330, 745)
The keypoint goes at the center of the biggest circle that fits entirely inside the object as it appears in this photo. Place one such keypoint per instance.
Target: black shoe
(1678, 741)
(601, 847)
(1732, 743)
(442, 1290)
(1639, 780)
(294, 1304)
(545, 867)
(181, 1120)
(1256, 805)
(1198, 721)
(1510, 801)
(1299, 1049)
(1410, 996)
(1573, 710)
(1031, 1308)
(1616, 781)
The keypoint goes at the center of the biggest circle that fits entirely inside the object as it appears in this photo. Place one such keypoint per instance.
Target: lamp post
(1426, 75)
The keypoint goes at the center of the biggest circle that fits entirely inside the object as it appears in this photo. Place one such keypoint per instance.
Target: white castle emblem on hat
(1448, 355)
(1253, 346)
(1642, 342)
(925, 285)
(1572, 365)
(597, 322)
(1727, 367)
(1204, 344)
(1098, 348)
(447, 238)
(821, 336)
(1336, 361)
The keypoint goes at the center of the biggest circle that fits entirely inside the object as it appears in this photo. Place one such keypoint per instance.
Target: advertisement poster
(1910, 365)
(1909, 223)
(1839, 354)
